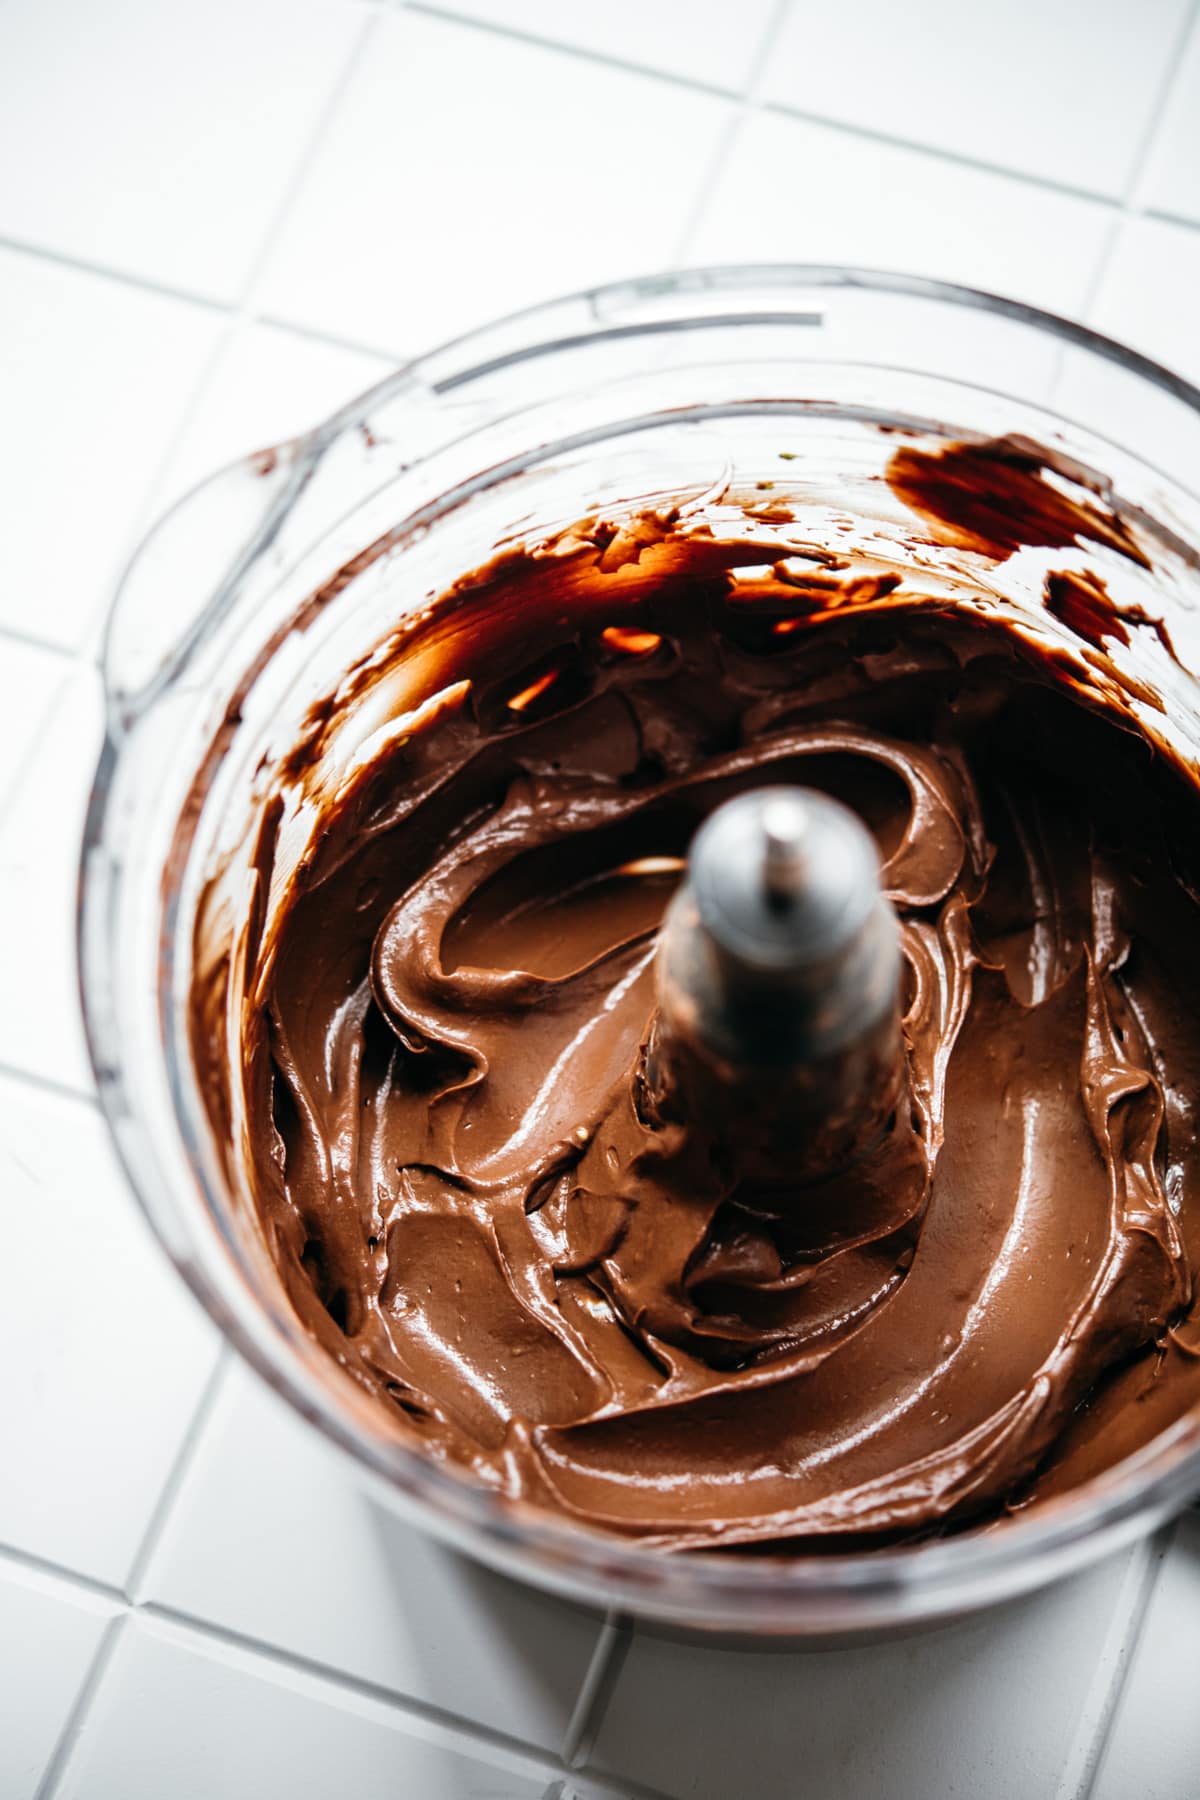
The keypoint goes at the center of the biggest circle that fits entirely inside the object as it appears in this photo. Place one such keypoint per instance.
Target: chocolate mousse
(477, 1198)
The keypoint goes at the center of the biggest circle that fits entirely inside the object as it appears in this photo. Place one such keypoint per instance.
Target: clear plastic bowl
(216, 646)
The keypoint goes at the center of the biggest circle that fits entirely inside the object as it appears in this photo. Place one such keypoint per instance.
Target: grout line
(46, 1083)
(761, 59)
(361, 1686)
(449, 15)
(1162, 215)
(315, 335)
(375, 9)
(82, 655)
(84, 265)
(72, 1731)
(305, 160)
(238, 318)
(242, 311)
(17, 1558)
(146, 514)
(75, 665)
(191, 1625)
(145, 284)
(177, 1475)
(212, 1632)
(959, 159)
(1129, 204)
(87, 654)
(574, 1749)
(895, 140)
(1173, 74)
(598, 1685)
(590, 1785)
(33, 641)
(1116, 1656)
(729, 134)
(1160, 1546)
(1127, 207)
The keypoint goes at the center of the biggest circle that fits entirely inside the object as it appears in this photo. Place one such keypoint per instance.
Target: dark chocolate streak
(585, 1309)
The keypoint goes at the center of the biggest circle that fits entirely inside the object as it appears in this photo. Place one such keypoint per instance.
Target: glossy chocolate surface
(577, 1295)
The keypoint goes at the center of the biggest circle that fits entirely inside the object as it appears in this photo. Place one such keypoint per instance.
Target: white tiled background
(218, 221)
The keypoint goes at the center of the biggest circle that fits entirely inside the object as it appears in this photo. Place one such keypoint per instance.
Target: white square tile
(191, 1720)
(41, 1027)
(1039, 86)
(269, 384)
(29, 679)
(273, 1539)
(986, 1709)
(49, 1634)
(716, 44)
(807, 193)
(94, 380)
(534, 173)
(1148, 297)
(104, 1354)
(1153, 1748)
(1172, 181)
(160, 140)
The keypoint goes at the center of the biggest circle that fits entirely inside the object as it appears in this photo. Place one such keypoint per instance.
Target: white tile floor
(1086, 98)
(521, 146)
(215, 222)
(805, 192)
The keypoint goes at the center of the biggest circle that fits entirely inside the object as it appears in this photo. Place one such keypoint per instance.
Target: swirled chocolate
(588, 1307)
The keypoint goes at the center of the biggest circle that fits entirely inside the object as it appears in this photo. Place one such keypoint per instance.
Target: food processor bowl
(261, 593)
